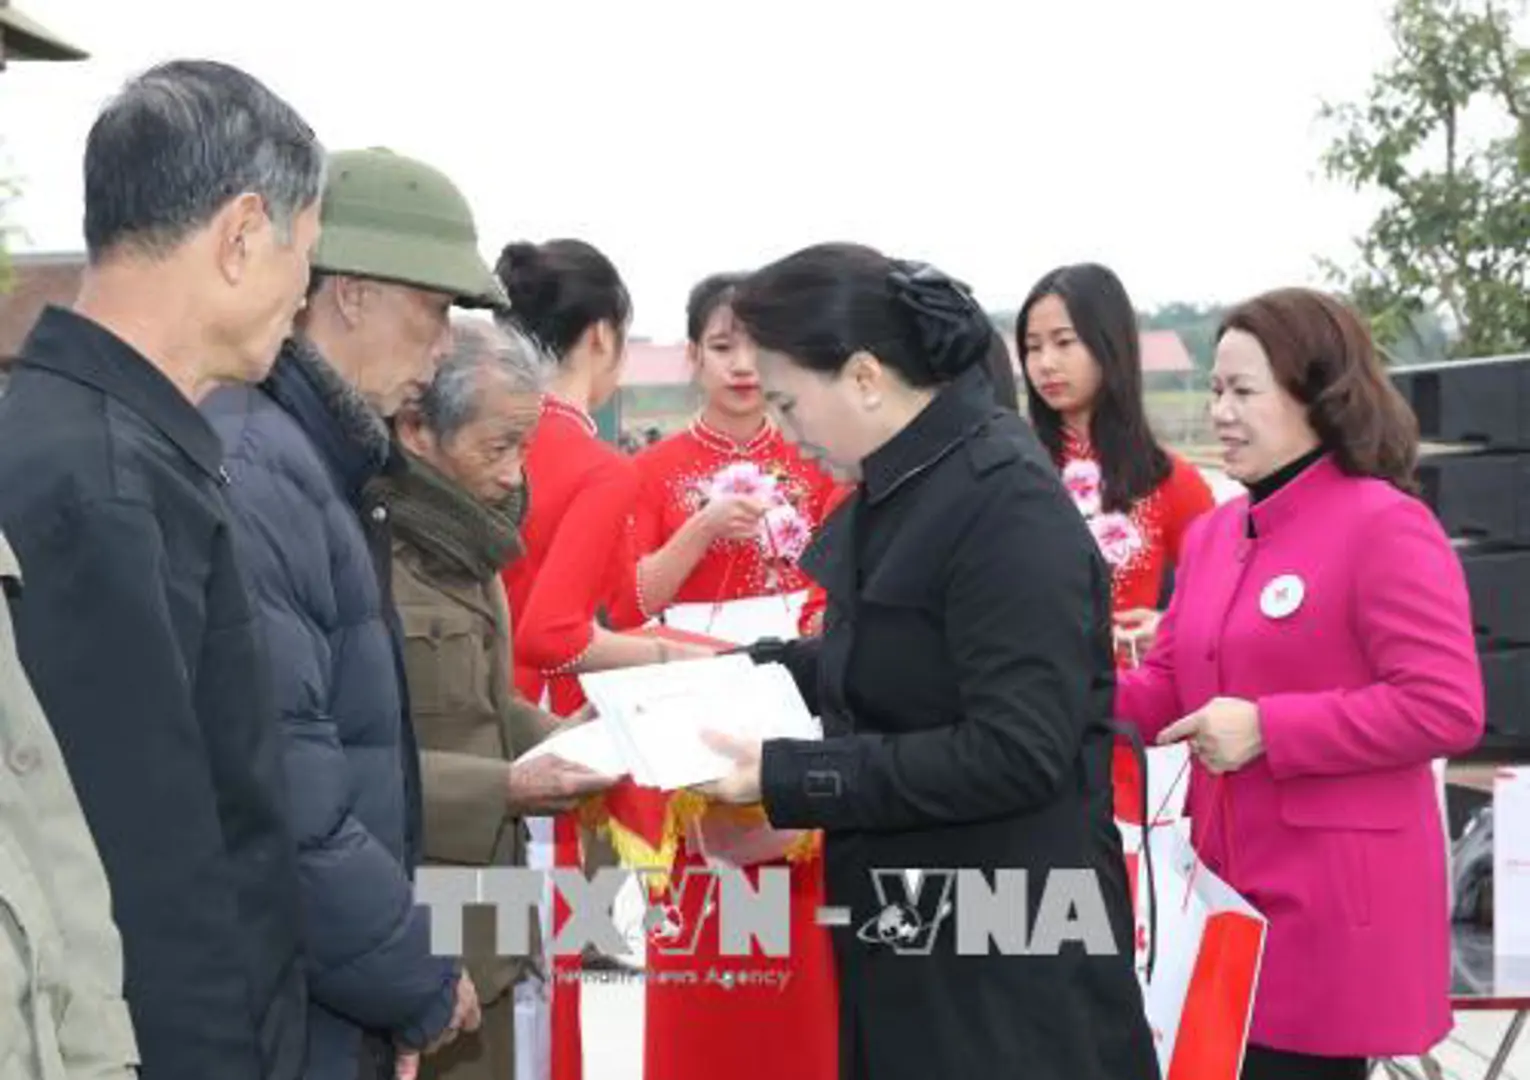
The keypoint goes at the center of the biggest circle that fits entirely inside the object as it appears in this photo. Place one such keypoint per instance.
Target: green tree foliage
(1452, 238)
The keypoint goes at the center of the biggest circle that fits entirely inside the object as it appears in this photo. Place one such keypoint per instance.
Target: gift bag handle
(1133, 738)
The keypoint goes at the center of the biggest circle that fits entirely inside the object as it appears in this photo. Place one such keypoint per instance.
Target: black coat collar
(958, 409)
(956, 412)
(74, 347)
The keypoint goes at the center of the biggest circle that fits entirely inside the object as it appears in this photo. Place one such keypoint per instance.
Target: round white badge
(1282, 596)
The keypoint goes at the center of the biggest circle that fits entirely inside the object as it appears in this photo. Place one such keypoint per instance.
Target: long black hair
(825, 303)
(1132, 463)
(559, 289)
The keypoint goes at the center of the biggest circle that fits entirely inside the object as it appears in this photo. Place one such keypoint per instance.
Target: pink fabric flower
(1117, 536)
(785, 533)
(1082, 479)
(743, 478)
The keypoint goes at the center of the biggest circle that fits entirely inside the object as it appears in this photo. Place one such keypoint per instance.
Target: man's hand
(552, 785)
(466, 1016)
(732, 517)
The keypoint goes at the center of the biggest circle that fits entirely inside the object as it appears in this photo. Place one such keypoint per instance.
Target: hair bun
(516, 257)
(954, 332)
(531, 287)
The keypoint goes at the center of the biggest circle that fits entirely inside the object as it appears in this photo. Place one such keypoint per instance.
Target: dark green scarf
(448, 525)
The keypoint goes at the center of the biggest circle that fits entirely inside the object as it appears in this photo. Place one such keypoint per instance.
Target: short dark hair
(1132, 463)
(559, 289)
(823, 304)
(710, 294)
(1322, 354)
(181, 140)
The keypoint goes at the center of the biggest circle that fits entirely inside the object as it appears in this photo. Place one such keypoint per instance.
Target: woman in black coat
(964, 679)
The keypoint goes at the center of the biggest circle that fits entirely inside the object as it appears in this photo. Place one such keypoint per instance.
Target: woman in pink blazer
(1316, 656)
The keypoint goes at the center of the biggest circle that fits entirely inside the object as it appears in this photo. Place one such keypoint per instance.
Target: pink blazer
(1345, 619)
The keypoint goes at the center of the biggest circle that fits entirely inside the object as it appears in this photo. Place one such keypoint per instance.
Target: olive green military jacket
(468, 718)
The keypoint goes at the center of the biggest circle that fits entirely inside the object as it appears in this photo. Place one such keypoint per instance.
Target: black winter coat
(965, 680)
(138, 634)
(301, 449)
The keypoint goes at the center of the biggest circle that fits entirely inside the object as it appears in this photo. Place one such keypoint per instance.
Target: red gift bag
(1198, 948)
(1198, 943)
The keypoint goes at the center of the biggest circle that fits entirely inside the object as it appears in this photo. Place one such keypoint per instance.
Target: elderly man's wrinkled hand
(553, 785)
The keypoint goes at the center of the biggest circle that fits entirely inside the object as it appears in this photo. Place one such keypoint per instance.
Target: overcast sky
(1175, 140)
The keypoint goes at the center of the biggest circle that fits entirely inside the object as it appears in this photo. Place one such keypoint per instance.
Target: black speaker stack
(1474, 421)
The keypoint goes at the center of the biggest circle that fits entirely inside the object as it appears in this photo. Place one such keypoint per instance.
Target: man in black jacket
(201, 193)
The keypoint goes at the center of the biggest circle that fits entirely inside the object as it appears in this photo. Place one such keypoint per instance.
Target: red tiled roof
(36, 281)
(1163, 350)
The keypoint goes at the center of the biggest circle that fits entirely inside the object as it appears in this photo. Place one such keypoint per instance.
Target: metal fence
(1178, 407)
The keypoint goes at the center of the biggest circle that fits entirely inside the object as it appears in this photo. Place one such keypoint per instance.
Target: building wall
(36, 281)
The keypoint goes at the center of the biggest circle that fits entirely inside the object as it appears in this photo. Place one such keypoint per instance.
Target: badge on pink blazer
(1282, 596)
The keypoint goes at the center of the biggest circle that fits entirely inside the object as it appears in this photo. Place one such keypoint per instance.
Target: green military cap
(391, 217)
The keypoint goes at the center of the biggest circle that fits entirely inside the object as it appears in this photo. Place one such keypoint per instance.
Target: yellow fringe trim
(683, 808)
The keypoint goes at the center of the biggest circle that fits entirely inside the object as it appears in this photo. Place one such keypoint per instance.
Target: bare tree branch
(1505, 77)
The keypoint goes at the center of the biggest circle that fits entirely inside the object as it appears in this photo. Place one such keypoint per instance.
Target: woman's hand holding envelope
(742, 785)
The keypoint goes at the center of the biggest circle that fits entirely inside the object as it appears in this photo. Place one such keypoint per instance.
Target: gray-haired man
(134, 623)
(457, 506)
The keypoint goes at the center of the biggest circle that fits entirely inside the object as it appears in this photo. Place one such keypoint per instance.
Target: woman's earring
(873, 403)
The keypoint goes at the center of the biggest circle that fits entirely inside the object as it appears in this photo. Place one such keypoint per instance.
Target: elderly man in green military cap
(398, 250)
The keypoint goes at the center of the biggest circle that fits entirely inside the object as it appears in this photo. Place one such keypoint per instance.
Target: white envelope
(588, 744)
(655, 714)
(742, 622)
